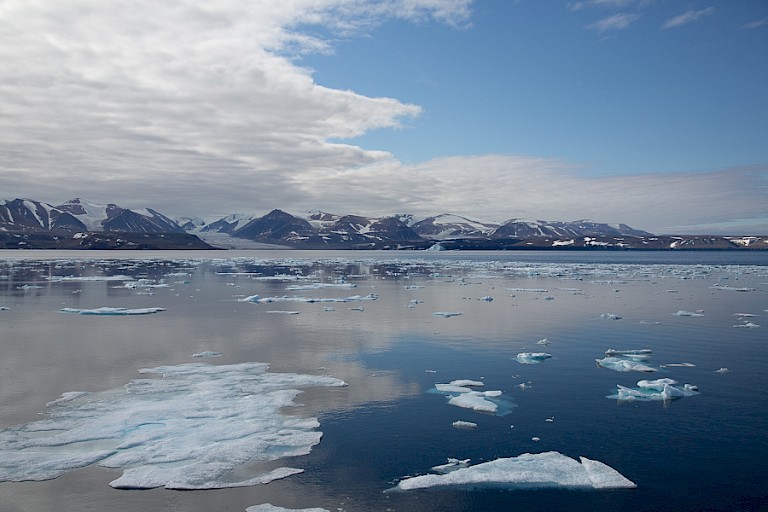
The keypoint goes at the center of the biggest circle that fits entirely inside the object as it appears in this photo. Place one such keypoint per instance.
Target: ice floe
(654, 390)
(464, 425)
(732, 288)
(689, 313)
(636, 354)
(207, 353)
(447, 314)
(610, 316)
(451, 465)
(532, 357)
(526, 471)
(319, 286)
(105, 311)
(88, 278)
(200, 426)
(464, 396)
(267, 300)
(624, 365)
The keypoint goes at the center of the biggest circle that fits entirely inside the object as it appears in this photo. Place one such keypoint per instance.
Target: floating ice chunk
(319, 286)
(451, 465)
(748, 325)
(105, 311)
(543, 341)
(732, 288)
(548, 469)
(467, 383)
(681, 365)
(474, 400)
(722, 370)
(266, 300)
(207, 353)
(3, 308)
(636, 354)
(464, 425)
(414, 287)
(284, 312)
(487, 298)
(530, 290)
(447, 314)
(145, 283)
(268, 507)
(88, 278)
(689, 313)
(610, 316)
(532, 357)
(654, 390)
(201, 426)
(624, 365)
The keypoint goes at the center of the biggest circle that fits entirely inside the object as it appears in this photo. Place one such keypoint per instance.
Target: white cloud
(611, 4)
(615, 22)
(687, 17)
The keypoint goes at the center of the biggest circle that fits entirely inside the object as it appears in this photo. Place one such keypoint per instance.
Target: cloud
(687, 17)
(137, 93)
(755, 24)
(587, 4)
(615, 22)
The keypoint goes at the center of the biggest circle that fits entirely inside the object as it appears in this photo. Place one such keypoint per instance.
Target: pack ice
(200, 426)
(529, 470)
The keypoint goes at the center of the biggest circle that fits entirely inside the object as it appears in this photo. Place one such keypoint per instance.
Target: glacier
(526, 471)
(196, 427)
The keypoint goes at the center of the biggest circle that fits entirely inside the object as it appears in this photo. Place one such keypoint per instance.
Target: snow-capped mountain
(80, 215)
(518, 228)
(447, 226)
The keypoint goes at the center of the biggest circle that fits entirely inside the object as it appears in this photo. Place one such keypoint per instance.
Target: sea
(183, 380)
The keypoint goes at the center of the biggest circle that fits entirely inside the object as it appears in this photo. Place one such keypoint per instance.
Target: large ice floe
(200, 426)
(105, 311)
(654, 390)
(526, 471)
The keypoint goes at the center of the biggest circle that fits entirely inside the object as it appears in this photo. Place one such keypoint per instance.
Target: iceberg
(623, 365)
(113, 311)
(200, 426)
(532, 357)
(526, 471)
(654, 390)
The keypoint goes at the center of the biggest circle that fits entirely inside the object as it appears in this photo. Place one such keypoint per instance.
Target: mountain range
(323, 230)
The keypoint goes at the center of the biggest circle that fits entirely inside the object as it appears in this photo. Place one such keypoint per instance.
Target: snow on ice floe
(267, 300)
(532, 357)
(624, 365)
(654, 390)
(526, 471)
(105, 311)
(194, 428)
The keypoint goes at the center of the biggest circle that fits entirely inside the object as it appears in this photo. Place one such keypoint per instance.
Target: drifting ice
(529, 470)
(624, 365)
(532, 357)
(192, 429)
(654, 390)
(113, 311)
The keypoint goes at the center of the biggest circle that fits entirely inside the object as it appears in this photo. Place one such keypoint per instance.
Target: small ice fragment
(543, 341)
(688, 313)
(447, 314)
(654, 390)
(635, 354)
(67, 397)
(284, 312)
(329, 308)
(465, 425)
(532, 290)
(722, 370)
(748, 325)
(486, 298)
(550, 419)
(467, 383)
(532, 357)
(105, 311)
(610, 316)
(358, 308)
(536, 439)
(3, 308)
(681, 365)
(207, 353)
(430, 371)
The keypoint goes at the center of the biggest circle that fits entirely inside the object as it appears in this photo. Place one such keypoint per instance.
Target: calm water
(704, 452)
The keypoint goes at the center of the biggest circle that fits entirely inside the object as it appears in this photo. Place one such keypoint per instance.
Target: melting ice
(654, 390)
(191, 429)
(529, 470)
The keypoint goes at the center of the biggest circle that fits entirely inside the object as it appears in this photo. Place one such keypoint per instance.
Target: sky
(652, 113)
